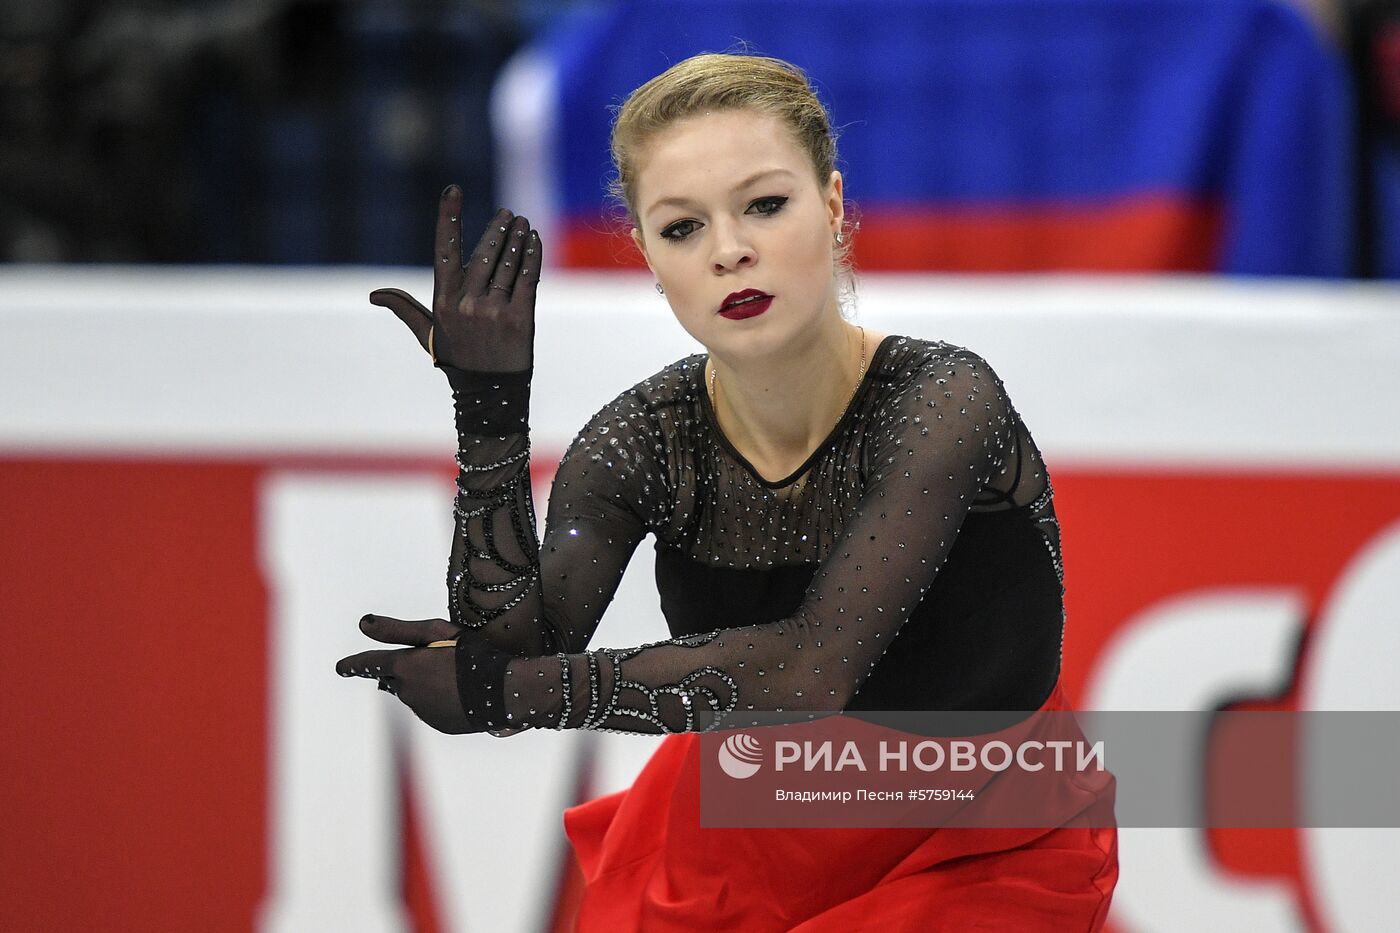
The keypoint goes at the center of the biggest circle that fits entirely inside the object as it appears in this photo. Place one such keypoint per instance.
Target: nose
(731, 249)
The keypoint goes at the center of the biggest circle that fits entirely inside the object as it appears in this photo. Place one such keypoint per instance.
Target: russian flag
(989, 135)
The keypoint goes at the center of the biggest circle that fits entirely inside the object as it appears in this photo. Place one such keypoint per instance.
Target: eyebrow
(681, 202)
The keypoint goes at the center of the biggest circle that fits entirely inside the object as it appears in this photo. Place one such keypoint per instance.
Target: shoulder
(653, 407)
(675, 384)
(937, 400)
(669, 392)
(916, 364)
(625, 453)
(908, 354)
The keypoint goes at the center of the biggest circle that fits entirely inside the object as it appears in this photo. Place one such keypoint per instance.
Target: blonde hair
(728, 81)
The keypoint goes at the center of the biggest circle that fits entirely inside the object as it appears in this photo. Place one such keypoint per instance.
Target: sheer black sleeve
(527, 597)
(935, 448)
(493, 571)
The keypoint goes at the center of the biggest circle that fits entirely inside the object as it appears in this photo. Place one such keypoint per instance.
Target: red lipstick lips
(745, 304)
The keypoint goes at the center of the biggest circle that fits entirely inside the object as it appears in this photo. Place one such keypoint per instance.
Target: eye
(769, 205)
(764, 207)
(678, 230)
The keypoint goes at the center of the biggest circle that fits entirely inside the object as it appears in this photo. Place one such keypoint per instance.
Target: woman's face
(727, 202)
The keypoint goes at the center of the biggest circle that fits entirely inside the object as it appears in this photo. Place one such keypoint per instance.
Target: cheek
(812, 254)
(811, 235)
(691, 320)
(684, 292)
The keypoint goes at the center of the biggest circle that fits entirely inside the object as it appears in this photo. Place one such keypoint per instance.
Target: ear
(641, 247)
(835, 203)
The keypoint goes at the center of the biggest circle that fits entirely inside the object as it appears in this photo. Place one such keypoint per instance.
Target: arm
(525, 597)
(953, 431)
(501, 588)
(480, 332)
(607, 490)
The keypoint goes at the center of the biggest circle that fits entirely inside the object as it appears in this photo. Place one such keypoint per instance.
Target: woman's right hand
(483, 315)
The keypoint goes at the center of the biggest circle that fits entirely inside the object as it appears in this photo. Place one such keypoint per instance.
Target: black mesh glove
(483, 317)
(455, 691)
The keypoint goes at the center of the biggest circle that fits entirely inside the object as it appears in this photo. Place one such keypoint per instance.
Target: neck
(777, 408)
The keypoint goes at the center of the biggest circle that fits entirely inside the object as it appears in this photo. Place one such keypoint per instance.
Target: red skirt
(648, 865)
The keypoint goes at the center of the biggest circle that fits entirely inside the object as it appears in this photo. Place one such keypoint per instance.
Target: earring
(839, 239)
(659, 289)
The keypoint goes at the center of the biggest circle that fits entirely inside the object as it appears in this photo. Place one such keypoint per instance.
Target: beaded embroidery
(691, 690)
(926, 433)
(486, 506)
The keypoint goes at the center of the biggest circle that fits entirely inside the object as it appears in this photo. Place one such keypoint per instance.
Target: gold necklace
(860, 376)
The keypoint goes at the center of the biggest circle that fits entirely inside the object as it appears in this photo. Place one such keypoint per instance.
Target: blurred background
(1172, 225)
(1240, 137)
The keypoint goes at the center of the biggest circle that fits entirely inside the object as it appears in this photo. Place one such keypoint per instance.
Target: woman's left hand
(424, 678)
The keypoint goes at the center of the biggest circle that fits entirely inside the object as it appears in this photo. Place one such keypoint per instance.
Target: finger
(482, 262)
(529, 279)
(503, 279)
(447, 249)
(368, 664)
(419, 633)
(406, 309)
